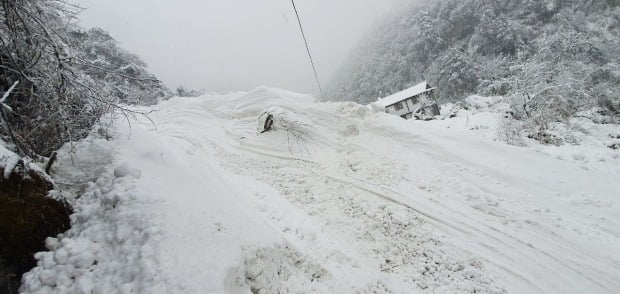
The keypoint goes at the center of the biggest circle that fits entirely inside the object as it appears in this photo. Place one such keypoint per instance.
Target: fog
(239, 44)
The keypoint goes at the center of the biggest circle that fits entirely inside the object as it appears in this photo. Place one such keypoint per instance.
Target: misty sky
(225, 45)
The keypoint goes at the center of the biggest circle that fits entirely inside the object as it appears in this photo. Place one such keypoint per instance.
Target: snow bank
(583, 142)
(109, 247)
(252, 103)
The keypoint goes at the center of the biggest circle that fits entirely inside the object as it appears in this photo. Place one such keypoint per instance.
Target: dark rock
(265, 122)
(27, 217)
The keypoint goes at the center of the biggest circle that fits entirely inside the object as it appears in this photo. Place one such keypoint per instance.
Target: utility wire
(316, 76)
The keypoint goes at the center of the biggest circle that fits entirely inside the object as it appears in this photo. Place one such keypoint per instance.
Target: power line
(316, 76)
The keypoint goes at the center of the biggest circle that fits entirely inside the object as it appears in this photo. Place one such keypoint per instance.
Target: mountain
(559, 57)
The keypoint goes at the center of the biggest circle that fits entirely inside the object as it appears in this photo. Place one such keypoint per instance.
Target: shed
(407, 103)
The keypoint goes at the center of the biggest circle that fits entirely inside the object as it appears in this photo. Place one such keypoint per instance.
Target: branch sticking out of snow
(276, 118)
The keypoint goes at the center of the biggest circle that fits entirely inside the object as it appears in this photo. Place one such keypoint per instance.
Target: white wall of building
(408, 107)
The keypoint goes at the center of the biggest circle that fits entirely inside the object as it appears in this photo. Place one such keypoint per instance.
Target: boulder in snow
(124, 170)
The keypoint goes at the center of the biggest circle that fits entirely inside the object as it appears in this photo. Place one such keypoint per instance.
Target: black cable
(316, 76)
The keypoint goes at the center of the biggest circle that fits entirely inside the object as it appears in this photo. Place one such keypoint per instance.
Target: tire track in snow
(387, 236)
(550, 254)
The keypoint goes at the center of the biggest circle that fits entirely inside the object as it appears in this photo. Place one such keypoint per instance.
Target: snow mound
(279, 269)
(109, 248)
(125, 170)
(251, 104)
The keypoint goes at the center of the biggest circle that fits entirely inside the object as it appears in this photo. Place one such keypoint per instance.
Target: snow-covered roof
(404, 94)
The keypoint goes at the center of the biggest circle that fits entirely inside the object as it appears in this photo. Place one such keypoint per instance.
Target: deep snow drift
(337, 199)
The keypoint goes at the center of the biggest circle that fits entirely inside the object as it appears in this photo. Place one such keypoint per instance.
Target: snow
(10, 163)
(344, 199)
(586, 144)
(404, 94)
(8, 160)
(124, 170)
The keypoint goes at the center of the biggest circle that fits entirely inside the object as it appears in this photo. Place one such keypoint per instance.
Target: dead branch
(50, 162)
(297, 133)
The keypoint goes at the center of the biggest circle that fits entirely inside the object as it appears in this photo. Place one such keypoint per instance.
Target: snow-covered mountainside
(557, 51)
(336, 198)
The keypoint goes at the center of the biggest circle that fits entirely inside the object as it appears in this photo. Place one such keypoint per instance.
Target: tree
(123, 75)
(61, 93)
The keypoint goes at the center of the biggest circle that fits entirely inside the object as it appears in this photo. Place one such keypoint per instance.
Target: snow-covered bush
(509, 131)
(185, 92)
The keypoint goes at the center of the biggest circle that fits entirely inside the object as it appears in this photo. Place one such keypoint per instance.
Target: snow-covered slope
(336, 199)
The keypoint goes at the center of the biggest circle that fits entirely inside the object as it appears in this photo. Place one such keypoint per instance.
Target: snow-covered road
(348, 201)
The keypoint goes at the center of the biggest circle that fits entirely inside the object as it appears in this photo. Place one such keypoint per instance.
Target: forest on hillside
(59, 78)
(551, 58)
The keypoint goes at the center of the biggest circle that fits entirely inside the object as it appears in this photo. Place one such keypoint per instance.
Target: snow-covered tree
(563, 55)
(66, 79)
(123, 75)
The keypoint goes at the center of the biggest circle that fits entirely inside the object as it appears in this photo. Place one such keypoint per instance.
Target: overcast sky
(227, 45)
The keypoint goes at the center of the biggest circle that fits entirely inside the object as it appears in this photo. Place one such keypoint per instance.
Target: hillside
(559, 57)
(62, 78)
(57, 82)
(336, 198)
